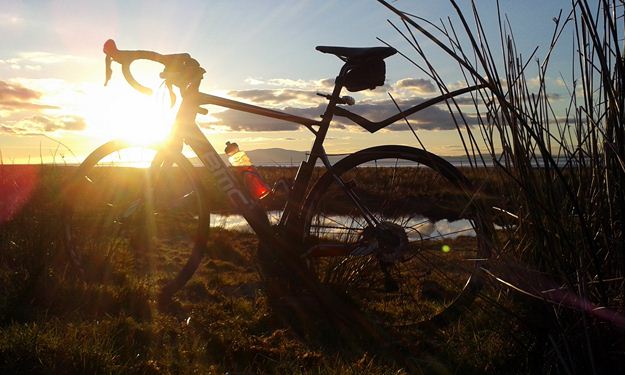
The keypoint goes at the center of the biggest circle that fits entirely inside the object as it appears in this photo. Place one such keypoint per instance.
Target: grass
(419, 184)
(55, 322)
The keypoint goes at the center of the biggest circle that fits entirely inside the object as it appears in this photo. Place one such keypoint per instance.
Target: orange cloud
(14, 96)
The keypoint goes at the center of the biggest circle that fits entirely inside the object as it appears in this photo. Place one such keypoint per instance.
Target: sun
(125, 114)
(117, 111)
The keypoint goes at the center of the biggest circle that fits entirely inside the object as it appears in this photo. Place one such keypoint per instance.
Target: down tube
(247, 206)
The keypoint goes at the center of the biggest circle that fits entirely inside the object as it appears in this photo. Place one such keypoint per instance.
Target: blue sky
(51, 66)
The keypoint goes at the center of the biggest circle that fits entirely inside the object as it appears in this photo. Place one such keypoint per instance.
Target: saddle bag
(367, 74)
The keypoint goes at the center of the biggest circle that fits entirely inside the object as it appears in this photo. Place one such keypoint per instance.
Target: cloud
(420, 85)
(298, 97)
(39, 124)
(25, 113)
(327, 82)
(409, 88)
(14, 96)
(51, 124)
(9, 91)
(293, 83)
(288, 97)
(288, 92)
(241, 121)
(451, 86)
(35, 59)
(17, 105)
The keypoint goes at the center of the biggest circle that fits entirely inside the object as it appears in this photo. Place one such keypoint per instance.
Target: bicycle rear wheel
(415, 261)
(135, 212)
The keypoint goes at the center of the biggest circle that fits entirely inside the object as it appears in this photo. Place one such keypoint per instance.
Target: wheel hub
(392, 242)
(387, 240)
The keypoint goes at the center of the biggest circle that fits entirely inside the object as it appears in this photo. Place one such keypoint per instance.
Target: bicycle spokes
(418, 258)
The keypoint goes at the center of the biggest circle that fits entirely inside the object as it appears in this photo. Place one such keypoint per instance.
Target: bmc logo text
(224, 179)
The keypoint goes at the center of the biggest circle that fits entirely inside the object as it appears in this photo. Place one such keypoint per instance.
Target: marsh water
(419, 226)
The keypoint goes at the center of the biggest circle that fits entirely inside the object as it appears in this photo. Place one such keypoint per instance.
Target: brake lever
(108, 70)
(172, 95)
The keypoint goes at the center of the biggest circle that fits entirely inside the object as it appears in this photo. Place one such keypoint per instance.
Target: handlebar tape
(125, 58)
(175, 62)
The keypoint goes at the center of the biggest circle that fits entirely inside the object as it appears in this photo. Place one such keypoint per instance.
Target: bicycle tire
(120, 219)
(432, 278)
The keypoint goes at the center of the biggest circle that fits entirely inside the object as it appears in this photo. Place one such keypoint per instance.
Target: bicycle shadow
(324, 317)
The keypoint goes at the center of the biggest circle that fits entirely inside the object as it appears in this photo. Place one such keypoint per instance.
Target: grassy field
(54, 321)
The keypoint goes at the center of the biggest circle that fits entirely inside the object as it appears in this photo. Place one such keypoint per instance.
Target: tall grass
(564, 164)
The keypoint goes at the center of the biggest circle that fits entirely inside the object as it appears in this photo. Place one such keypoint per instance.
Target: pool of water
(418, 226)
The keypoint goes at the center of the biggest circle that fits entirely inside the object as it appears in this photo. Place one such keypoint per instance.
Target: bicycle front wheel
(136, 212)
(400, 232)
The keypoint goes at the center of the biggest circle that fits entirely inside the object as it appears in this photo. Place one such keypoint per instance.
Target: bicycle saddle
(351, 53)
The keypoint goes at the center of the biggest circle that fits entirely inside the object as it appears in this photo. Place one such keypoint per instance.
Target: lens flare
(17, 183)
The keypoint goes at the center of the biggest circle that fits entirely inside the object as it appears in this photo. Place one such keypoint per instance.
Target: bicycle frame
(380, 231)
(186, 73)
(186, 128)
(248, 206)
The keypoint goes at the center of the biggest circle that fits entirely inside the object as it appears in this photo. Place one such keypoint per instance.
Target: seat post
(302, 177)
(328, 114)
(339, 83)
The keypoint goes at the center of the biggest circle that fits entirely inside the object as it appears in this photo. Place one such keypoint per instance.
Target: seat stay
(373, 126)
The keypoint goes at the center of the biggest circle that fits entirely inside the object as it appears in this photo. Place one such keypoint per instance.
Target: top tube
(204, 99)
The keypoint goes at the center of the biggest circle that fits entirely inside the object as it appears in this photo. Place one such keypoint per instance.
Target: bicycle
(361, 228)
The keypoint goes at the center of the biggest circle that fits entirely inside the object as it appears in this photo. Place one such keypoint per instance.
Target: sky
(54, 107)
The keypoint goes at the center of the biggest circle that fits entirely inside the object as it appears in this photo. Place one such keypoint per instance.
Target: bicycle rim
(417, 264)
(127, 216)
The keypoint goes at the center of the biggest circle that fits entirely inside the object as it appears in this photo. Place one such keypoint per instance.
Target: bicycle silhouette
(371, 226)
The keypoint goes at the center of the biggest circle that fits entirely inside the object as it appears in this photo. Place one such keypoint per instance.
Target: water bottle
(243, 165)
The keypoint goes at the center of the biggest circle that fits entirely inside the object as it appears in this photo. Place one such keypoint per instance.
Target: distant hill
(277, 157)
(269, 157)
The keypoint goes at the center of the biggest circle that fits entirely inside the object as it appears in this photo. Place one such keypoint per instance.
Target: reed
(563, 166)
